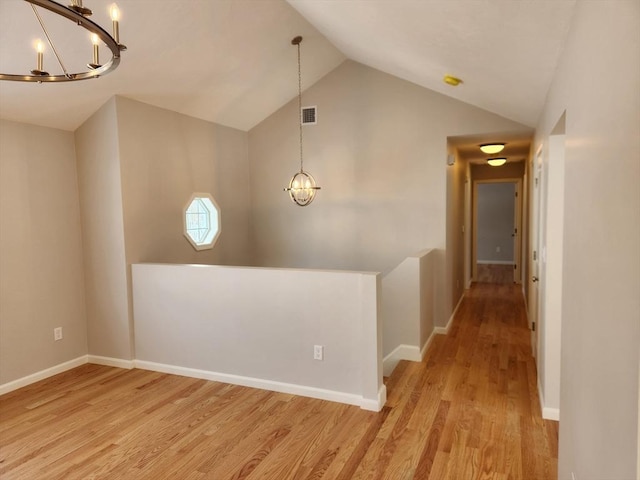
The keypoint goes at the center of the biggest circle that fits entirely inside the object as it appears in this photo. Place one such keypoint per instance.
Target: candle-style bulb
(115, 16)
(95, 40)
(39, 59)
(115, 13)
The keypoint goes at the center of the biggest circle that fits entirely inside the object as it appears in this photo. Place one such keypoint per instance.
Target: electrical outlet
(57, 333)
(497, 249)
(318, 352)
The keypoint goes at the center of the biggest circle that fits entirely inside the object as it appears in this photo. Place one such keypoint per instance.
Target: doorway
(496, 243)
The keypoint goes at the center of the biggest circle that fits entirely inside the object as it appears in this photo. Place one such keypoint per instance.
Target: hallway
(477, 393)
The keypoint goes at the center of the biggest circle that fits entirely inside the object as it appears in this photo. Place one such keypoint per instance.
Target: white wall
(258, 327)
(41, 273)
(597, 84)
(379, 153)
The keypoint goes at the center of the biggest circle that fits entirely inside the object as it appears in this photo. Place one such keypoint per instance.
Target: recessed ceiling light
(496, 162)
(491, 148)
(451, 80)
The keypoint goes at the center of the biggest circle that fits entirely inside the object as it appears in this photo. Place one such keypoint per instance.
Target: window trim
(208, 245)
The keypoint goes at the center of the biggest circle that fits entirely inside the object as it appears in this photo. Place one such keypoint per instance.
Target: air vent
(309, 115)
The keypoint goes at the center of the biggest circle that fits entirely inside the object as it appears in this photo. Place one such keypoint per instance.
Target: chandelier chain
(300, 108)
(46, 34)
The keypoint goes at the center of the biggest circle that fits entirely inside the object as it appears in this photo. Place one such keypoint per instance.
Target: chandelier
(77, 13)
(302, 186)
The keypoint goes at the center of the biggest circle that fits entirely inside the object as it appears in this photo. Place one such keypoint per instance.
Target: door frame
(536, 240)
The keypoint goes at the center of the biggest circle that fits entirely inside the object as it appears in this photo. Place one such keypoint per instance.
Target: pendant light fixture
(302, 186)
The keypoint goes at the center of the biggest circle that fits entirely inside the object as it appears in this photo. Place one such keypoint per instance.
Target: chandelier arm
(46, 34)
(88, 25)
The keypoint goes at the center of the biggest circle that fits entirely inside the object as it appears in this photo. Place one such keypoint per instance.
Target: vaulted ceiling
(231, 61)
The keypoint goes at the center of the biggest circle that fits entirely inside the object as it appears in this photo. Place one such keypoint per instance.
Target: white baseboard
(375, 405)
(304, 391)
(495, 262)
(547, 412)
(551, 413)
(427, 344)
(401, 352)
(444, 330)
(111, 362)
(42, 374)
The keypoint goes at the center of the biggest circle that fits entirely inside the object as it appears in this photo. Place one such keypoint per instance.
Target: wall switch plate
(318, 352)
(57, 333)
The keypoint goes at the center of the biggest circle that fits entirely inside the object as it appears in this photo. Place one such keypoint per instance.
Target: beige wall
(164, 158)
(457, 181)
(508, 170)
(138, 165)
(379, 153)
(109, 324)
(41, 277)
(597, 84)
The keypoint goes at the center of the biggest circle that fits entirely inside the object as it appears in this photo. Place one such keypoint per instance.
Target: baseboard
(495, 262)
(444, 330)
(290, 388)
(547, 412)
(427, 344)
(401, 352)
(42, 374)
(111, 362)
(375, 405)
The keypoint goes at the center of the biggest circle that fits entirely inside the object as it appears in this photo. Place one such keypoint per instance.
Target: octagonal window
(202, 221)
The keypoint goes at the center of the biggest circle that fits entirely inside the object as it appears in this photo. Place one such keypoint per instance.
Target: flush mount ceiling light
(491, 148)
(302, 187)
(78, 14)
(496, 162)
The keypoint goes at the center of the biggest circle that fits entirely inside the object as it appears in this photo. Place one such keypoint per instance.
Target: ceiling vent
(309, 115)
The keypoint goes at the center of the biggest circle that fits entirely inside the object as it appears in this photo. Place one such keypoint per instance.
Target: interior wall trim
(548, 413)
(111, 362)
(290, 388)
(42, 374)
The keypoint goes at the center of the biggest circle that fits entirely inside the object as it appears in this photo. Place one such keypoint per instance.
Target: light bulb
(115, 13)
(39, 46)
(95, 39)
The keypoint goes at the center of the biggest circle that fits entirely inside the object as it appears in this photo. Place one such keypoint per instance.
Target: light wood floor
(494, 273)
(469, 411)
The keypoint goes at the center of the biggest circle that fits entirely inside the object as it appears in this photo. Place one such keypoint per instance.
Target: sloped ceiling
(231, 61)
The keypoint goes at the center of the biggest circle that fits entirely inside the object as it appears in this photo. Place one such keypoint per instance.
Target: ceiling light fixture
(78, 14)
(496, 162)
(491, 148)
(302, 187)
